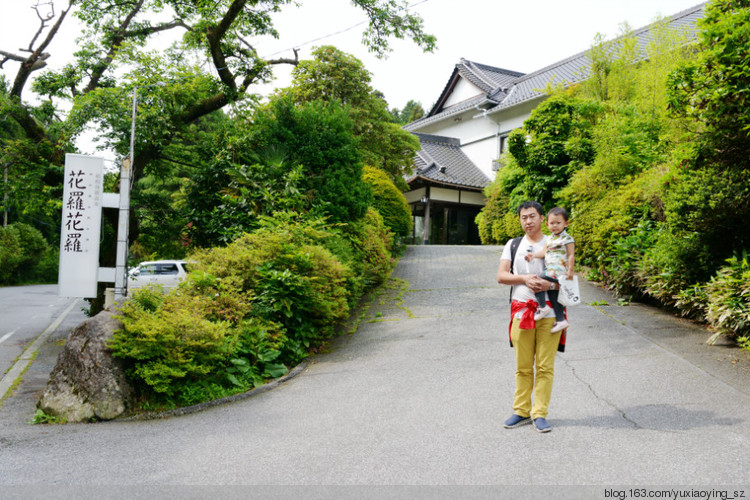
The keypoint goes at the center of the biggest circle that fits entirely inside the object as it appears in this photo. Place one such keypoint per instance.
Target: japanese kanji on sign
(81, 225)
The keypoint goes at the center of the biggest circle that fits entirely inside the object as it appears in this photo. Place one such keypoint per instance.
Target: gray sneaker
(516, 421)
(542, 425)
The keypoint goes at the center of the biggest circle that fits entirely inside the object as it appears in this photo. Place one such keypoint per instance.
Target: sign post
(81, 226)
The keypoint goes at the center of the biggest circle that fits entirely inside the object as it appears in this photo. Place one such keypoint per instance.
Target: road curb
(28, 355)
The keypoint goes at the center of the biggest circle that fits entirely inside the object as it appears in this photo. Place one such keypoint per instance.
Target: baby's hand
(569, 275)
(529, 257)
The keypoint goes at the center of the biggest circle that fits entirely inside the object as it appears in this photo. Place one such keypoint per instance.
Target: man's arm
(534, 282)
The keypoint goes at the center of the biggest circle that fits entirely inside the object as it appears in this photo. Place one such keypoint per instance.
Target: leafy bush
(622, 265)
(250, 310)
(259, 352)
(728, 296)
(389, 201)
(169, 341)
(302, 288)
(498, 219)
(670, 266)
(318, 136)
(25, 256)
(11, 253)
(373, 242)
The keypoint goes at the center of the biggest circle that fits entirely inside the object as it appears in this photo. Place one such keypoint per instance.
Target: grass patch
(42, 418)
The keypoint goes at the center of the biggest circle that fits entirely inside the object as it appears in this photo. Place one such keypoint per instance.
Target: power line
(334, 33)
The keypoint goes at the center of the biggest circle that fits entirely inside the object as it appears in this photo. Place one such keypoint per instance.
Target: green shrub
(728, 295)
(493, 210)
(249, 311)
(46, 269)
(169, 342)
(622, 265)
(261, 346)
(303, 290)
(498, 219)
(673, 263)
(11, 253)
(692, 302)
(389, 201)
(372, 242)
(293, 280)
(25, 256)
(319, 136)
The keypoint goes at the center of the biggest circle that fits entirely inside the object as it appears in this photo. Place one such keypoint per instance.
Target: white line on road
(28, 355)
(7, 336)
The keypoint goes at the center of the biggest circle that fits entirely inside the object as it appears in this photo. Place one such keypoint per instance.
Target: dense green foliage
(319, 137)
(389, 201)
(336, 76)
(25, 256)
(650, 156)
(281, 157)
(211, 65)
(412, 111)
(249, 310)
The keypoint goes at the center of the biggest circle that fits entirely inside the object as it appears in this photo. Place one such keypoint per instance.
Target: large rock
(87, 381)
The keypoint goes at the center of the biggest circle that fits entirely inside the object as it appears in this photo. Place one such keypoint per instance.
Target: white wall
(483, 153)
(462, 91)
(479, 133)
(462, 126)
(512, 118)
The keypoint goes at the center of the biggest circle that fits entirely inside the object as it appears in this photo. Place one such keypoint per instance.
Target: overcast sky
(517, 35)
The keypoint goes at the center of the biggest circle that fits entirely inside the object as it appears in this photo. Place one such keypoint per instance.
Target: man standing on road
(531, 339)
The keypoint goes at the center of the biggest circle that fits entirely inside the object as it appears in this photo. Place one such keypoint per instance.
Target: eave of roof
(479, 75)
(441, 161)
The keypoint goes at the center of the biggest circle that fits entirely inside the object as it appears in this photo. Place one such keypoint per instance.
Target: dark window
(167, 269)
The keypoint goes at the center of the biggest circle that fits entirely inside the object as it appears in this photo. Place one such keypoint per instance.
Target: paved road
(25, 311)
(417, 396)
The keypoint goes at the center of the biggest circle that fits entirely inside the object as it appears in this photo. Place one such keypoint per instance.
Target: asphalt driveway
(417, 396)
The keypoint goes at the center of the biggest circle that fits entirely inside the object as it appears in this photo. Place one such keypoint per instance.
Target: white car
(167, 273)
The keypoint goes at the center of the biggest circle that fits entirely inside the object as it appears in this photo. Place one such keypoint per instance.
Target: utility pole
(5, 195)
(123, 221)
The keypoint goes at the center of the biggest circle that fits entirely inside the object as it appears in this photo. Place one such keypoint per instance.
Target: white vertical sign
(81, 226)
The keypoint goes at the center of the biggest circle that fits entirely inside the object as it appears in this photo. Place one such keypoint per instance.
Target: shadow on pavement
(657, 417)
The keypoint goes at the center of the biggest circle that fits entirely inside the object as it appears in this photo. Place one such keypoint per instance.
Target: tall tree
(335, 75)
(412, 111)
(213, 64)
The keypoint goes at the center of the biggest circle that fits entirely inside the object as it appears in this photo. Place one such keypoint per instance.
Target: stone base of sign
(87, 383)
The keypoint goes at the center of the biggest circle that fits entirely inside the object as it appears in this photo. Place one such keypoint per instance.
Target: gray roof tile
(504, 89)
(577, 68)
(441, 160)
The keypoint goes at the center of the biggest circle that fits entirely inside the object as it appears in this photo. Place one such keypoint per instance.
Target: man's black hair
(531, 204)
(559, 211)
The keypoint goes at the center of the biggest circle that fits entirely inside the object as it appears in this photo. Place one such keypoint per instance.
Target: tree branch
(36, 59)
(177, 23)
(214, 37)
(7, 56)
(206, 106)
(105, 63)
(43, 22)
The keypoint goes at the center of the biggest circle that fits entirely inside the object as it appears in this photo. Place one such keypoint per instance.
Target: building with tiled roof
(465, 132)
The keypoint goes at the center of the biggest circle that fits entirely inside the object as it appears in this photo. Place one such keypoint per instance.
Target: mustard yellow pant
(534, 349)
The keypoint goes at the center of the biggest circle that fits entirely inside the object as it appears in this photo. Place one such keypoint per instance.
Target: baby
(559, 260)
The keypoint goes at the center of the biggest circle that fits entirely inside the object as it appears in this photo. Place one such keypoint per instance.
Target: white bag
(569, 293)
